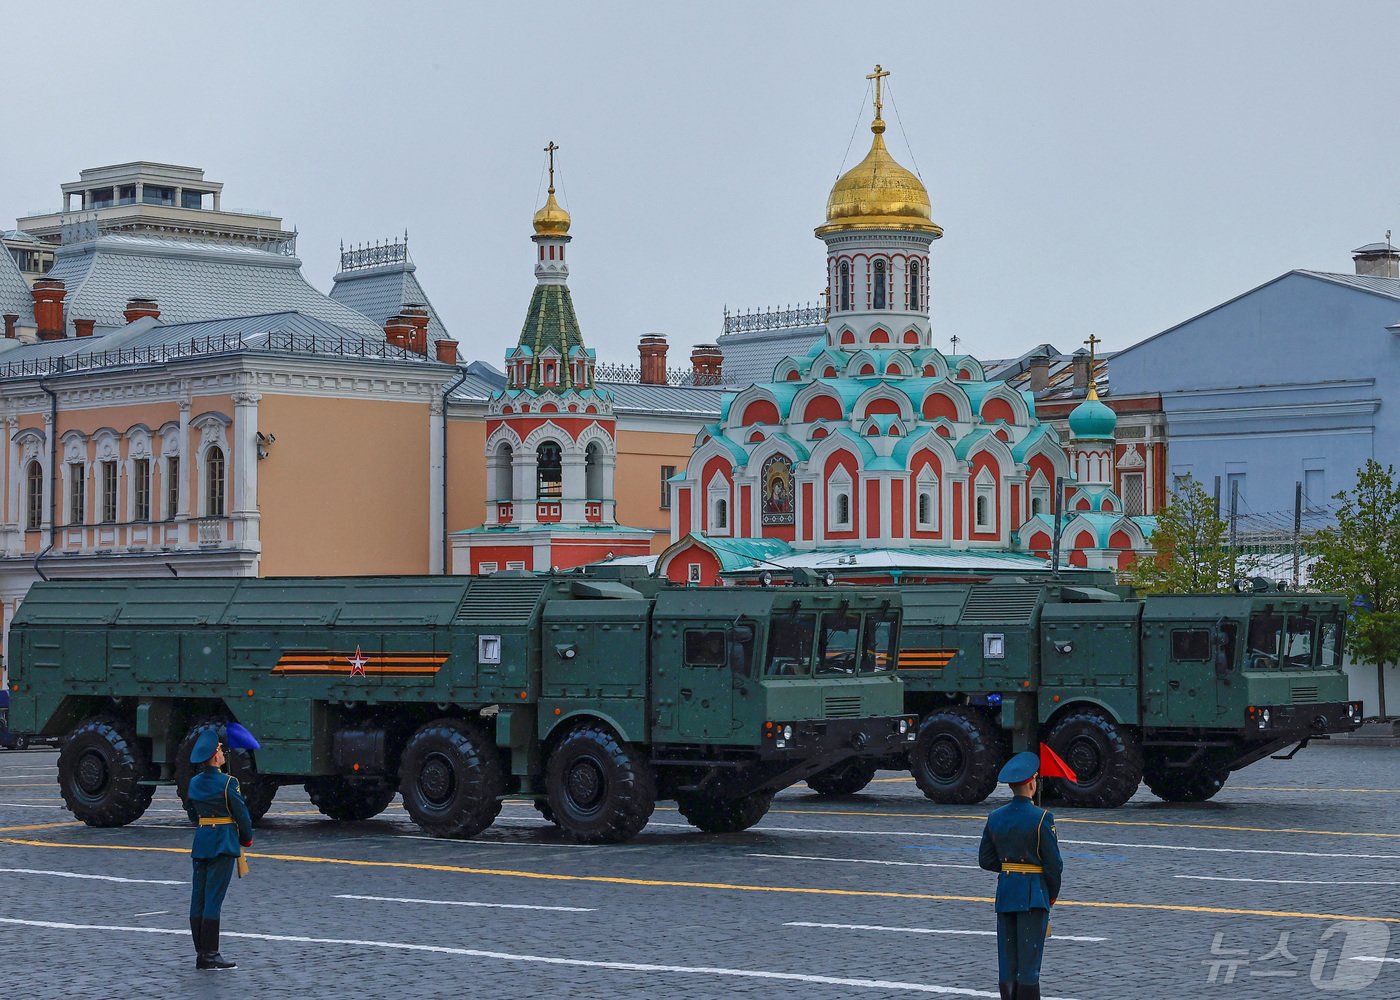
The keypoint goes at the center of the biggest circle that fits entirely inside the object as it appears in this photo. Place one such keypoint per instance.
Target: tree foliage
(1193, 555)
(1360, 556)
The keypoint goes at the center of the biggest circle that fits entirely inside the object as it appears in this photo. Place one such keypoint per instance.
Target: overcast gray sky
(1108, 168)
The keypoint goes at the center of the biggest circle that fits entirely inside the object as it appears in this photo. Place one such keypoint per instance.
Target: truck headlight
(1266, 715)
(903, 726)
(787, 732)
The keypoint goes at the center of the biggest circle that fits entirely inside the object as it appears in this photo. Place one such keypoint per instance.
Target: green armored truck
(588, 695)
(1176, 691)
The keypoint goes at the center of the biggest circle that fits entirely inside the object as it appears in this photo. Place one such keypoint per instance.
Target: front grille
(842, 706)
(1305, 694)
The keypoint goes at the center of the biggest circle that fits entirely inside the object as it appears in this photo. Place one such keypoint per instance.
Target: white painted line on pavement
(1284, 881)
(150, 913)
(698, 970)
(1373, 958)
(100, 878)
(927, 930)
(765, 828)
(454, 902)
(865, 861)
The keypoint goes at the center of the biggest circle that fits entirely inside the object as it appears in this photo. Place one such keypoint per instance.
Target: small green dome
(1092, 419)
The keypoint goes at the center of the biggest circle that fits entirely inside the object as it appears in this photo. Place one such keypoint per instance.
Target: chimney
(1040, 373)
(1081, 370)
(653, 351)
(10, 320)
(398, 330)
(1377, 260)
(83, 327)
(48, 308)
(140, 308)
(417, 318)
(447, 351)
(707, 361)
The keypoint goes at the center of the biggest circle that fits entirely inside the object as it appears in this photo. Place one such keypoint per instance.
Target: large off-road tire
(350, 800)
(542, 807)
(1105, 757)
(845, 778)
(1182, 784)
(957, 755)
(716, 815)
(452, 778)
(100, 768)
(257, 791)
(601, 791)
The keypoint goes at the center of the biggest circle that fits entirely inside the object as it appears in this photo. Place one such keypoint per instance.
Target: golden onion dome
(551, 219)
(877, 193)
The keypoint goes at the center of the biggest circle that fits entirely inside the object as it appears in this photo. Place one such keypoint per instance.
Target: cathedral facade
(877, 456)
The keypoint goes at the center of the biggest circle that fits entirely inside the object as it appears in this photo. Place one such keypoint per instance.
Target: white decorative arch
(883, 391)
(858, 360)
(999, 450)
(1017, 402)
(935, 443)
(840, 494)
(984, 501)
(548, 431)
(744, 398)
(785, 368)
(1039, 489)
(962, 404)
(766, 449)
(813, 390)
(506, 434)
(595, 434)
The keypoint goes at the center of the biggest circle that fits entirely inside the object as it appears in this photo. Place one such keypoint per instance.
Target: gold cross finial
(879, 74)
(550, 150)
(1093, 341)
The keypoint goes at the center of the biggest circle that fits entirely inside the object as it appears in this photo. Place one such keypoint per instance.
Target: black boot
(209, 957)
(1008, 991)
(197, 929)
(1027, 991)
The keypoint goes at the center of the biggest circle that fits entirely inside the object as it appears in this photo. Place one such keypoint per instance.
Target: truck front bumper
(1302, 721)
(838, 739)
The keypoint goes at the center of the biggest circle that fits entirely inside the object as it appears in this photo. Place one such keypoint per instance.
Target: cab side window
(1190, 645)
(704, 648)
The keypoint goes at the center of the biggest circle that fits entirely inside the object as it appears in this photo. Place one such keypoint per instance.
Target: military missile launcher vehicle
(1176, 691)
(586, 694)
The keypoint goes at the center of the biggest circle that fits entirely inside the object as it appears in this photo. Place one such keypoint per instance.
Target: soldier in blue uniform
(224, 829)
(1019, 842)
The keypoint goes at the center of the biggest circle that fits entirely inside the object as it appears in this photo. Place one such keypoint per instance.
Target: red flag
(1051, 766)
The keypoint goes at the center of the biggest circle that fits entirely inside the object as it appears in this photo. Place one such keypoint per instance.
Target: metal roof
(383, 291)
(191, 281)
(751, 357)
(682, 400)
(14, 291)
(1389, 287)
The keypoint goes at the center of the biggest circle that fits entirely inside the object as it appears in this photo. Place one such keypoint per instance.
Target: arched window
(549, 471)
(593, 471)
(721, 515)
(843, 510)
(214, 482)
(913, 286)
(845, 296)
(879, 302)
(927, 485)
(984, 512)
(925, 508)
(34, 496)
(504, 490)
(1037, 505)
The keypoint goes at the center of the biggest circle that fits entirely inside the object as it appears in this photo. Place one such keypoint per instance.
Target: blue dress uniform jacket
(212, 793)
(1021, 832)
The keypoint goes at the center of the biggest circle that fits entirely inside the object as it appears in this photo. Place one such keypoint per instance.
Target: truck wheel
(845, 778)
(711, 814)
(451, 779)
(257, 791)
(542, 807)
(956, 756)
(350, 800)
(99, 772)
(1182, 784)
(600, 789)
(1106, 759)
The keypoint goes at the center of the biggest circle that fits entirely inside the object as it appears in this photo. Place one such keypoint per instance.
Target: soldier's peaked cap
(1020, 768)
(240, 739)
(205, 746)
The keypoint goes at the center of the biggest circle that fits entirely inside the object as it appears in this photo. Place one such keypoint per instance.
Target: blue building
(1295, 381)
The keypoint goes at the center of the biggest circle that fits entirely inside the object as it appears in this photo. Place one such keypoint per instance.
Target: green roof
(551, 322)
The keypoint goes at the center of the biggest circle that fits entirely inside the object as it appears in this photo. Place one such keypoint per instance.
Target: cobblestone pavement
(1286, 884)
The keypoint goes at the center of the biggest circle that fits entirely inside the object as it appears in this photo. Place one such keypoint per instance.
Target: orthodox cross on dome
(550, 149)
(955, 343)
(879, 74)
(1093, 342)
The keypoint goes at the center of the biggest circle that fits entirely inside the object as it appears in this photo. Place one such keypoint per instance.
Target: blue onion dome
(1092, 419)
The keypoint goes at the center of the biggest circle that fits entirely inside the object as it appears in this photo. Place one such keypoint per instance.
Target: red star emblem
(357, 663)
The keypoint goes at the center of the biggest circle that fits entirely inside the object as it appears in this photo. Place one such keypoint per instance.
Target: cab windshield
(1330, 642)
(790, 641)
(1276, 640)
(839, 652)
(878, 643)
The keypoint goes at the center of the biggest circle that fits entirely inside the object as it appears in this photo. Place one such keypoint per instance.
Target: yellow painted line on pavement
(39, 826)
(723, 886)
(882, 781)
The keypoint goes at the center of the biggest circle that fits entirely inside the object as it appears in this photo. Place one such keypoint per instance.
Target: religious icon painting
(778, 506)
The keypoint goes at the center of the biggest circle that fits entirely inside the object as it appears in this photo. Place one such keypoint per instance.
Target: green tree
(1360, 556)
(1193, 555)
